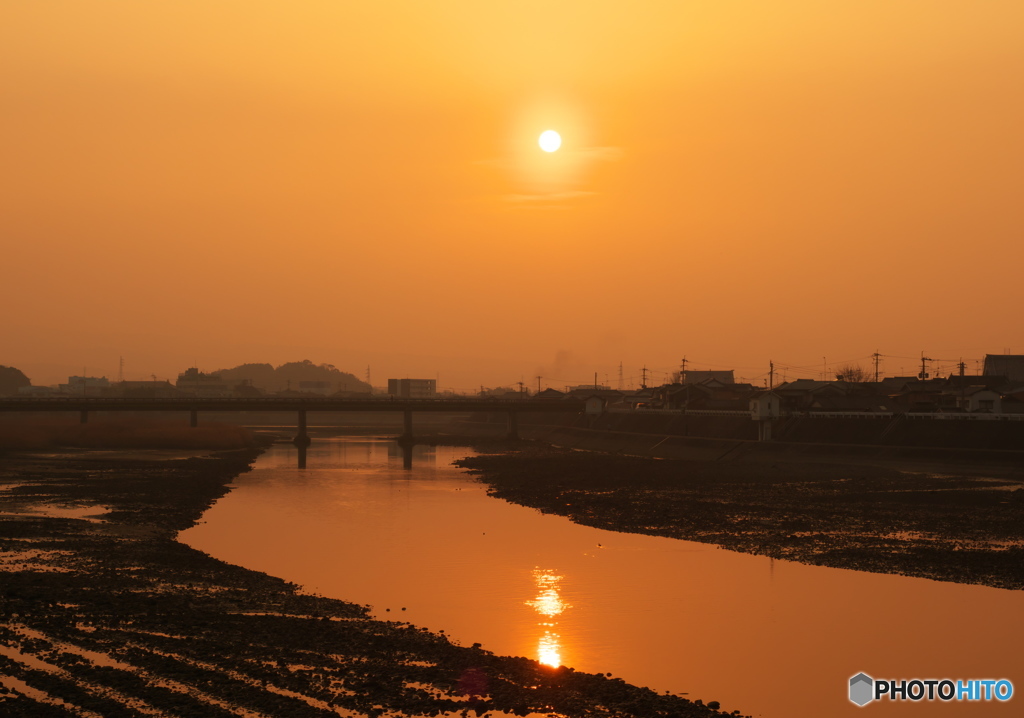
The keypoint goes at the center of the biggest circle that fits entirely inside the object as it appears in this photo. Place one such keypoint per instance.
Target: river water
(769, 638)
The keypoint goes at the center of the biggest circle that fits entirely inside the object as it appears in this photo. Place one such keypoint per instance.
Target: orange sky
(359, 183)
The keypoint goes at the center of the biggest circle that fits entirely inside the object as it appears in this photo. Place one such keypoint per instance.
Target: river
(768, 638)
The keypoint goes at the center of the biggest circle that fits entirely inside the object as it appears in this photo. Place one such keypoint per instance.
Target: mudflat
(104, 613)
(950, 523)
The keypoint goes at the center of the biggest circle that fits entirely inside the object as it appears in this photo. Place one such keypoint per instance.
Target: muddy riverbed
(104, 613)
(952, 524)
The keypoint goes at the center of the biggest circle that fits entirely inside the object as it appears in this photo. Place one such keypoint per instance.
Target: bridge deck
(287, 404)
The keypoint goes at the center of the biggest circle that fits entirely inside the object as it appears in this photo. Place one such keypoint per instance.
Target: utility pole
(521, 388)
(643, 380)
(962, 388)
(876, 356)
(621, 386)
(538, 385)
(595, 381)
(120, 371)
(771, 375)
(682, 371)
(924, 368)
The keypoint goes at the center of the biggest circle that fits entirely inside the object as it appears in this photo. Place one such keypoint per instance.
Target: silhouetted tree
(11, 380)
(853, 374)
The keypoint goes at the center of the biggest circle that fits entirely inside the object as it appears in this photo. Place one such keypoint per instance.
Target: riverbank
(949, 517)
(104, 613)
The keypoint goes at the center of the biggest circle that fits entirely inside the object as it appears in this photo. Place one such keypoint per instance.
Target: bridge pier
(84, 416)
(193, 419)
(406, 437)
(302, 439)
(513, 425)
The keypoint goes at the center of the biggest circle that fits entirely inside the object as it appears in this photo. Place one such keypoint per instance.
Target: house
(995, 382)
(712, 393)
(594, 405)
(891, 385)
(610, 396)
(549, 394)
(925, 395)
(975, 399)
(723, 376)
(854, 402)
(1013, 401)
(799, 394)
(641, 398)
(766, 405)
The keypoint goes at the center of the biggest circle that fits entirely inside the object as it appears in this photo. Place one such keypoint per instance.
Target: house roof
(725, 376)
(896, 383)
(805, 386)
(603, 393)
(995, 382)
(1008, 365)
(972, 390)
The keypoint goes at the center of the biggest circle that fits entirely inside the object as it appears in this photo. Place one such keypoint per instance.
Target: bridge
(299, 405)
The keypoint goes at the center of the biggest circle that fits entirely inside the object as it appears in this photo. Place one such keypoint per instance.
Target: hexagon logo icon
(861, 689)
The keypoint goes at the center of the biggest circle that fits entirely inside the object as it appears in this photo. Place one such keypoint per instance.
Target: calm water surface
(769, 638)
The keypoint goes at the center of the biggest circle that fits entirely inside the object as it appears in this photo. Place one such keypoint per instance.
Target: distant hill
(11, 380)
(268, 378)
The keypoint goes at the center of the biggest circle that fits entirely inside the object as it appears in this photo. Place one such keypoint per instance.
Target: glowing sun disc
(549, 140)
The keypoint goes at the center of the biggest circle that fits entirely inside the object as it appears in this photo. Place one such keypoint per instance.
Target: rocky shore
(918, 518)
(103, 613)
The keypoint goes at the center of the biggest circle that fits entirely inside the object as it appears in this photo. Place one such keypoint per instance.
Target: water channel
(769, 638)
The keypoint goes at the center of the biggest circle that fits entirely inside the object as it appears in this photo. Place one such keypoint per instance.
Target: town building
(413, 388)
(320, 388)
(1010, 366)
(146, 389)
(193, 381)
(85, 386)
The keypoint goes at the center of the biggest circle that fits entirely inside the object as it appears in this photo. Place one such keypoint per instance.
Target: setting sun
(550, 141)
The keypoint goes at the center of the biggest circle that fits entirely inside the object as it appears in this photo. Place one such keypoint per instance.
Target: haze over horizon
(360, 184)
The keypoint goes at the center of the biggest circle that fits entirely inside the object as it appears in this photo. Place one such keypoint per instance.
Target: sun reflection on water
(548, 603)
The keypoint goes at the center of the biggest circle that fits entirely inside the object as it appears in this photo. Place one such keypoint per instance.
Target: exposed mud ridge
(962, 526)
(106, 614)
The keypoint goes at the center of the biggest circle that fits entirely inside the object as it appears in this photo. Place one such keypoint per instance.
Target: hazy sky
(359, 183)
